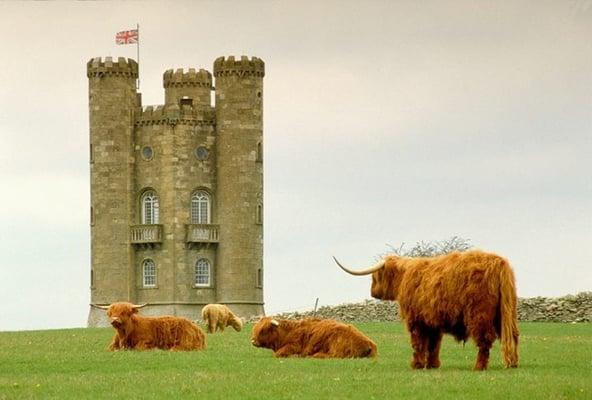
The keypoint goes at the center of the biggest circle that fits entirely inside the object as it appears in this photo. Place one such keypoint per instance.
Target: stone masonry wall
(571, 308)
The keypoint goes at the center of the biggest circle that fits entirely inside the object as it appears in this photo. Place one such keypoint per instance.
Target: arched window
(200, 207)
(203, 272)
(149, 273)
(150, 208)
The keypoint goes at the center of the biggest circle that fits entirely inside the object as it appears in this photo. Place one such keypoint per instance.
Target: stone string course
(571, 308)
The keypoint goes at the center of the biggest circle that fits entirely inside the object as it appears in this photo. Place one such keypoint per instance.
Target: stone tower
(112, 101)
(177, 189)
(239, 119)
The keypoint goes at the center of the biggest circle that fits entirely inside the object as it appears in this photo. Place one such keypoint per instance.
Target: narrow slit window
(259, 278)
(260, 213)
(259, 152)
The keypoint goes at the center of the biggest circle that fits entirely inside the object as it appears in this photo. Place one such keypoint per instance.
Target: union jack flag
(127, 37)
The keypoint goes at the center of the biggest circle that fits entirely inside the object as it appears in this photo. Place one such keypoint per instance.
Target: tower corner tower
(112, 101)
(239, 125)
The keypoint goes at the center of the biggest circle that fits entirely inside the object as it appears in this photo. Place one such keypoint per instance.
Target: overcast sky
(384, 122)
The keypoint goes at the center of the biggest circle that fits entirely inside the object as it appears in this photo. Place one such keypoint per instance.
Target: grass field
(555, 363)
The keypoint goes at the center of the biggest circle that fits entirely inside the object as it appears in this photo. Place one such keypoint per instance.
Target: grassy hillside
(556, 360)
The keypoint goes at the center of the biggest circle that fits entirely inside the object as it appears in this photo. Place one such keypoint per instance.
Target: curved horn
(139, 305)
(366, 271)
(275, 322)
(98, 306)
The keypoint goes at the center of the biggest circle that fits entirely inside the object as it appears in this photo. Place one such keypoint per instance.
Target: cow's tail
(509, 318)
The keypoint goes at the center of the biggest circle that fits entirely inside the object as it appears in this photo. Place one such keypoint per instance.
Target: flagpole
(138, 53)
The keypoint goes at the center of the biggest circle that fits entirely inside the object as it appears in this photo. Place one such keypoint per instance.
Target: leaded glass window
(149, 273)
(200, 208)
(202, 272)
(150, 208)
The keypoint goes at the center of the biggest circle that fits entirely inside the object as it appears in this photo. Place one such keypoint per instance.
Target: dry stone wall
(571, 308)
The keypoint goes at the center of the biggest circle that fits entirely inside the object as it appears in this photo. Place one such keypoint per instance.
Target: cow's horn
(275, 322)
(366, 271)
(139, 305)
(98, 306)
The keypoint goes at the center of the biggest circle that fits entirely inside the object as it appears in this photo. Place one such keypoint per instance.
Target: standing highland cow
(312, 338)
(218, 317)
(137, 332)
(468, 294)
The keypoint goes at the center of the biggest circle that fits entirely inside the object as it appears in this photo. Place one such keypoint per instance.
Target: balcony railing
(146, 234)
(202, 233)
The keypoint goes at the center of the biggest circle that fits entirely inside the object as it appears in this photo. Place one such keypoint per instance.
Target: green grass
(555, 363)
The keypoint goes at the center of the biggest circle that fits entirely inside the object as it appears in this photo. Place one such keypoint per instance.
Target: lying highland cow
(218, 317)
(312, 338)
(140, 333)
(470, 294)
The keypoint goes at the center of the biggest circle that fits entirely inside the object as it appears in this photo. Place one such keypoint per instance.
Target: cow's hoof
(433, 365)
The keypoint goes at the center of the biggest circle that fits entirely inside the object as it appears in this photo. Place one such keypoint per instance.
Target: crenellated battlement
(175, 115)
(97, 67)
(243, 67)
(180, 78)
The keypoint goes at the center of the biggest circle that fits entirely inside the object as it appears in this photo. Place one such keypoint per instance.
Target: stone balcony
(202, 233)
(146, 234)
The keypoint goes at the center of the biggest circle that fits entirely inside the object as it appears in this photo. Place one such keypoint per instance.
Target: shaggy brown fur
(218, 317)
(140, 333)
(469, 294)
(312, 338)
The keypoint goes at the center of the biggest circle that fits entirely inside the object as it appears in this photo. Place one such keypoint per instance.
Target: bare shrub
(431, 248)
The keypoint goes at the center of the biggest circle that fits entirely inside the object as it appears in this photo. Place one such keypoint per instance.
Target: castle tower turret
(112, 101)
(196, 85)
(239, 197)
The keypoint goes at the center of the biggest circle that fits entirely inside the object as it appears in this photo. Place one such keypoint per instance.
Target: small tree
(430, 249)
